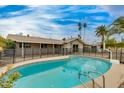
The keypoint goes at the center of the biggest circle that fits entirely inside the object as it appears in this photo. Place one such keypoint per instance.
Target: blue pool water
(59, 73)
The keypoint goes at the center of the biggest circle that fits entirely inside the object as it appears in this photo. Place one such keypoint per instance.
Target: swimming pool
(59, 73)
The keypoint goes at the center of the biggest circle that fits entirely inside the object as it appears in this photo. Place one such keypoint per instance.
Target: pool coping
(4, 69)
(98, 79)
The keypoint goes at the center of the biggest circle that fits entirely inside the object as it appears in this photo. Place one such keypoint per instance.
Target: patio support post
(22, 49)
(24, 53)
(40, 50)
(53, 49)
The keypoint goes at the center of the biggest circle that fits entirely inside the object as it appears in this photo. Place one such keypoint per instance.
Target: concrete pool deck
(113, 78)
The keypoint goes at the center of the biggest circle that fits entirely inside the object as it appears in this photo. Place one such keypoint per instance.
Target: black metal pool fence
(9, 56)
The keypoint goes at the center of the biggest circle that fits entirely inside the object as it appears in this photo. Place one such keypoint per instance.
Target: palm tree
(80, 28)
(101, 31)
(84, 26)
(80, 25)
(117, 27)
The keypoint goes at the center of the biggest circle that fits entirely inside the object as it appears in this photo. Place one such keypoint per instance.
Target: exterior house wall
(76, 42)
(17, 45)
(36, 45)
(50, 45)
(70, 44)
(33, 45)
(66, 45)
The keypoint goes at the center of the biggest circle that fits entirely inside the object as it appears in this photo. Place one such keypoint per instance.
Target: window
(57, 46)
(26, 45)
(43, 45)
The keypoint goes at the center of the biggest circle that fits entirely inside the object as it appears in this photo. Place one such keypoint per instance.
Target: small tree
(2, 42)
(111, 43)
(120, 44)
(10, 44)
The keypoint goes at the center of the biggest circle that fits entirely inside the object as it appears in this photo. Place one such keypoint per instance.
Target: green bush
(9, 81)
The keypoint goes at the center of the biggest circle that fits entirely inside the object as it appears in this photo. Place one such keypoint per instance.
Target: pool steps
(94, 84)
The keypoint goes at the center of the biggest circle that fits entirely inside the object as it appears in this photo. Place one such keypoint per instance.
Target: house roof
(30, 39)
(71, 40)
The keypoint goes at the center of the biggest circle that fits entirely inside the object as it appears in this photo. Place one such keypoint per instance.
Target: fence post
(70, 51)
(102, 52)
(40, 52)
(79, 50)
(62, 51)
(83, 51)
(58, 51)
(93, 83)
(116, 53)
(47, 51)
(13, 56)
(103, 81)
(66, 51)
(121, 56)
(109, 54)
(89, 51)
(95, 52)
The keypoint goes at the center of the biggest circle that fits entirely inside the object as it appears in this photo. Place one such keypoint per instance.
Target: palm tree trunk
(104, 45)
(80, 34)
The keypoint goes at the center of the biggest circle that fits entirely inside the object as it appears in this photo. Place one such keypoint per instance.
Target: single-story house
(23, 42)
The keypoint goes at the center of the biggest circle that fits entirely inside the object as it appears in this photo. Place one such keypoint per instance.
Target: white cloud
(39, 22)
(114, 10)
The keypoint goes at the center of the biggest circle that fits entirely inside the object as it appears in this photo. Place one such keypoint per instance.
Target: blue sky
(56, 21)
